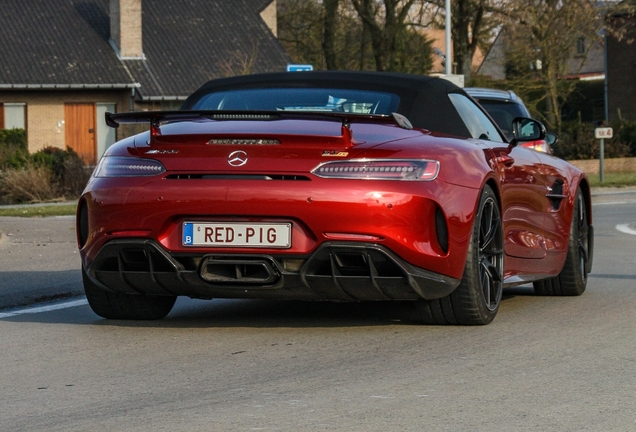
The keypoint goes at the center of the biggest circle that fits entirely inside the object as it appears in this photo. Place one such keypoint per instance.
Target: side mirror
(526, 129)
(551, 138)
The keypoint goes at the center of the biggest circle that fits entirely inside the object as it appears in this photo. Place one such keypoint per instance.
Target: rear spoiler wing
(155, 118)
(158, 117)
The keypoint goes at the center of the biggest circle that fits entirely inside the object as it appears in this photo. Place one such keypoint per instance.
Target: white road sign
(603, 133)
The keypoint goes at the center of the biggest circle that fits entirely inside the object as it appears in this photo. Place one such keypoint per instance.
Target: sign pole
(449, 46)
(601, 170)
(601, 133)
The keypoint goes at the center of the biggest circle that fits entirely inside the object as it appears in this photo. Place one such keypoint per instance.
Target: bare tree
(469, 30)
(387, 23)
(355, 34)
(542, 35)
(472, 24)
(330, 23)
(300, 31)
(239, 62)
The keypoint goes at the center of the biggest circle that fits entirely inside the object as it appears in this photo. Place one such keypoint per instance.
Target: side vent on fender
(555, 194)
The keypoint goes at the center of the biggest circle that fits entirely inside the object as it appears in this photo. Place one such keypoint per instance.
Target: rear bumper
(334, 271)
(411, 220)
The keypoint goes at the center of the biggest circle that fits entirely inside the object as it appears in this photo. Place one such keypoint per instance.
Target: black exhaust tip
(215, 270)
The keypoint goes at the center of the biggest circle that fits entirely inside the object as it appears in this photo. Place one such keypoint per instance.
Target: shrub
(13, 138)
(577, 142)
(53, 174)
(72, 176)
(625, 131)
(13, 148)
(68, 171)
(31, 183)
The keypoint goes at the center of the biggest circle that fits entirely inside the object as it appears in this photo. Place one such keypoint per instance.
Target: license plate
(233, 234)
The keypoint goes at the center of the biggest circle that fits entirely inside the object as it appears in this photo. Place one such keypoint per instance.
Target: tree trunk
(384, 35)
(329, 32)
(363, 44)
(467, 20)
(552, 96)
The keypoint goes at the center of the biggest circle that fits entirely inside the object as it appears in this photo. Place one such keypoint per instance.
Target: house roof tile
(64, 43)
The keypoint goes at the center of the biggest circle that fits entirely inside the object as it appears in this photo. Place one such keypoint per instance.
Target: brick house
(584, 66)
(585, 62)
(64, 63)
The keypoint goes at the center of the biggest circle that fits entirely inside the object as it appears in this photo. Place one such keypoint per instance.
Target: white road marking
(42, 309)
(612, 203)
(626, 228)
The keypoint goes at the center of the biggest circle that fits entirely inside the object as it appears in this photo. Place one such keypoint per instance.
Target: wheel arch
(81, 222)
(494, 185)
(587, 195)
(584, 185)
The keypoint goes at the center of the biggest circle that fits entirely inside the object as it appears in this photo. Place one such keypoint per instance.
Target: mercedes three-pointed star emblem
(237, 158)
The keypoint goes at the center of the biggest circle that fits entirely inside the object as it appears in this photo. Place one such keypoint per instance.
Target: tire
(476, 300)
(573, 277)
(112, 305)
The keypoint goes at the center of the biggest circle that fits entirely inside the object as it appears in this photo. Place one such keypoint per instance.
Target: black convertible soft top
(423, 100)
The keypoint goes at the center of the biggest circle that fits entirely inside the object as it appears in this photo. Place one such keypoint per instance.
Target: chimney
(125, 28)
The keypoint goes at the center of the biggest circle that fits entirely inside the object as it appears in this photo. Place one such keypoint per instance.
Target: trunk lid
(269, 143)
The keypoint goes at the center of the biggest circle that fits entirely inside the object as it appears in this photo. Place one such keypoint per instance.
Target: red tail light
(539, 145)
(127, 167)
(379, 169)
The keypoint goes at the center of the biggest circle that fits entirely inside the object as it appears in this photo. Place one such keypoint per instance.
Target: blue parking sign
(299, 68)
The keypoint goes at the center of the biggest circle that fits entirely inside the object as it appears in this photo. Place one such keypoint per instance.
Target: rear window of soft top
(301, 99)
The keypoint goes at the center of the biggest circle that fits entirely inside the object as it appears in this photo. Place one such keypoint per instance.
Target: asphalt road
(39, 260)
(557, 364)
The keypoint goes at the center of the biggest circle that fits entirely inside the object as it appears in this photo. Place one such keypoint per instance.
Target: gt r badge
(237, 158)
(334, 153)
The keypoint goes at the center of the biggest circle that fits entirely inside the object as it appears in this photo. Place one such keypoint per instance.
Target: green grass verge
(35, 210)
(613, 180)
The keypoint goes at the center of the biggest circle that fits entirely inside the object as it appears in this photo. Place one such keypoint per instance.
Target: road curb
(42, 204)
(18, 300)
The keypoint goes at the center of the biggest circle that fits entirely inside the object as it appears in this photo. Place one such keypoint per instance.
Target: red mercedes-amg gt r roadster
(342, 186)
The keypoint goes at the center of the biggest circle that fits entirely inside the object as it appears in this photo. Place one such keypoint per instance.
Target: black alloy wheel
(491, 254)
(476, 300)
(583, 241)
(572, 280)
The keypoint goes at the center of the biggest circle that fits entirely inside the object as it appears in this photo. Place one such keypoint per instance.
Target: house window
(580, 46)
(105, 134)
(13, 116)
